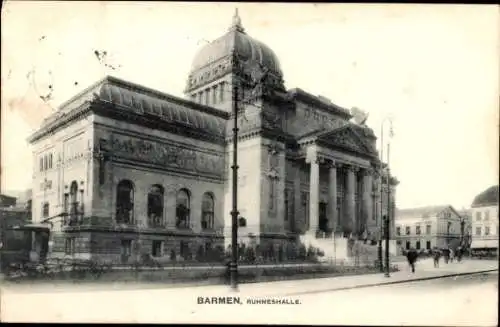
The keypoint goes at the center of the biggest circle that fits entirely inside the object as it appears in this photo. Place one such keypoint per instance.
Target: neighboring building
(485, 220)
(10, 217)
(428, 227)
(7, 201)
(466, 215)
(134, 170)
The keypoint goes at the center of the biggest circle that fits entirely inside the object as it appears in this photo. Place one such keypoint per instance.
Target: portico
(350, 205)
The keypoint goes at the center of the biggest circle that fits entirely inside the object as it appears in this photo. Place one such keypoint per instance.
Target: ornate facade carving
(167, 155)
(324, 119)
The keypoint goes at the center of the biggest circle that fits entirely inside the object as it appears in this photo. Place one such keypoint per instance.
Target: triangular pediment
(347, 138)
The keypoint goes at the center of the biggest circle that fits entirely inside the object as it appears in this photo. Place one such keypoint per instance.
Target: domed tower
(233, 57)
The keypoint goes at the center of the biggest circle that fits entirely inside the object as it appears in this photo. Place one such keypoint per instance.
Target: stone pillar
(367, 199)
(314, 196)
(295, 224)
(350, 203)
(332, 195)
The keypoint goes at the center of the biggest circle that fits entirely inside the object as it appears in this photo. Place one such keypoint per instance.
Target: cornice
(62, 122)
(344, 149)
(118, 112)
(301, 95)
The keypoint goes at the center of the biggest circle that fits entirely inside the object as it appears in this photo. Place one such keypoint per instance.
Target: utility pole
(233, 267)
(388, 219)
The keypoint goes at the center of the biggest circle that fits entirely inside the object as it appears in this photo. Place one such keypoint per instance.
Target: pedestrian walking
(459, 254)
(452, 255)
(436, 255)
(412, 256)
(446, 255)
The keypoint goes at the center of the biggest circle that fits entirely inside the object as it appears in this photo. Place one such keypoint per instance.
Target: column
(350, 204)
(295, 225)
(332, 196)
(314, 196)
(367, 199)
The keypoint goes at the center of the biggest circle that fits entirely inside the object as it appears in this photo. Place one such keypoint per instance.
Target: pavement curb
(390, 282)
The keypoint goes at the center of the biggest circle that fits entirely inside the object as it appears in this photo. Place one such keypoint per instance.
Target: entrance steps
(338, 249)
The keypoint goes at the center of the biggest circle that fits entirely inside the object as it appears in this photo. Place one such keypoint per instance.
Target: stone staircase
(337, 249)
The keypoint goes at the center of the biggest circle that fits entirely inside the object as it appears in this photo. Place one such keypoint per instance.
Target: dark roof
(422, 212)
(145, 101)
(486, 198)
(319, 101)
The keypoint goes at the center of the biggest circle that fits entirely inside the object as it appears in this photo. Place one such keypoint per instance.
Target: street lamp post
(462, 231)
(383, 224)
(388, 218)
(233, 266)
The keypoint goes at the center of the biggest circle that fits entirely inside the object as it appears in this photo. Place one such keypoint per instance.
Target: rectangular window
(126, 248)
(398, 230)
(157, 249)
(41, 164)
(407, 245)
(478, 215)
(185, 250)
(428, 245)
(478, 231)
(69, 246)
(45, 210)
(408, 232)
(486, 215)
(486, 231)
(418, 245)
(417, 230)
(428, 229)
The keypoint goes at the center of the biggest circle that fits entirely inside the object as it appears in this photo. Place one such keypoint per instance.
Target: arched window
(155, 206)
(182, 209)
(125, 202)
(73, 194)
(207, 211)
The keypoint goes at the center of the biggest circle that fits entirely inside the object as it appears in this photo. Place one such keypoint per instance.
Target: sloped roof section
(344, 136)
(141, 100)
(420, 212)
(488, 197)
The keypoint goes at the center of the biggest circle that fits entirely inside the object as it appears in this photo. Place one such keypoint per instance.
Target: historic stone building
(134, 170)
(429, 227)
(485, 222)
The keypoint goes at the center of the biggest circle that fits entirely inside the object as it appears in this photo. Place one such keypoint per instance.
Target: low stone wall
(213, 275)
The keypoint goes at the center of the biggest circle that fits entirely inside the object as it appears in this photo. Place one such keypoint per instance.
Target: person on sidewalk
(436, 256)
(446, 255)
(459, 254)
(412, 256)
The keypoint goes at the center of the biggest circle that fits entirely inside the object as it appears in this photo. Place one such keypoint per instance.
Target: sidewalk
(424, 270)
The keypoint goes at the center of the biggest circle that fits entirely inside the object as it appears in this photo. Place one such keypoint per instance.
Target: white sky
(435, 68)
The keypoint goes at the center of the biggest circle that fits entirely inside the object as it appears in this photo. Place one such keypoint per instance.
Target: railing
(184, 225)
(156, 222)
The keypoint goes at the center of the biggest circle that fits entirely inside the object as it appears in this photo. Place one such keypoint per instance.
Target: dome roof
(245, 47)
(487, 198)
